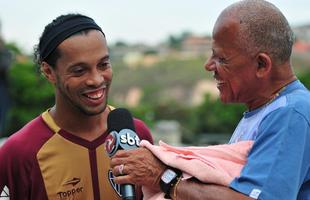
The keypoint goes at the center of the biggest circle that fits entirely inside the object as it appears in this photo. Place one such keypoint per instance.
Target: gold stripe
(50, 121)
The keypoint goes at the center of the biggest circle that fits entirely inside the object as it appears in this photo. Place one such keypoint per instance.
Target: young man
(252, 44)
(60, 154)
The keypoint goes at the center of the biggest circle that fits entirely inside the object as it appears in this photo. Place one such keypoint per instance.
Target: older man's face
(234, 70)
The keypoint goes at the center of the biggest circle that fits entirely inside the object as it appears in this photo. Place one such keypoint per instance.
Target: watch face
(168, 176)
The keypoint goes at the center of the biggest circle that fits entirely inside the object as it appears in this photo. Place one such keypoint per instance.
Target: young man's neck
(77, 123)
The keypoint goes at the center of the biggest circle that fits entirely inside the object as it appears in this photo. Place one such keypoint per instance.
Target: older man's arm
(195, 190)
(141, 167)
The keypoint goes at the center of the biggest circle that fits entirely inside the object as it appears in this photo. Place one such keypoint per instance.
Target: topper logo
(111, 142)
(129, 137)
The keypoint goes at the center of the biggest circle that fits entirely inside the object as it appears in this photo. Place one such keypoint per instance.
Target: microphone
(122, 137)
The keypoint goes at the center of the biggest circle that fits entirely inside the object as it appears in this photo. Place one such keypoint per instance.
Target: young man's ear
(48, 72)
(264, 65)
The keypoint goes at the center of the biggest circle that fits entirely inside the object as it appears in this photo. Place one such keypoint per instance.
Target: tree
(305, 79)
(30, 93)
(212, 116)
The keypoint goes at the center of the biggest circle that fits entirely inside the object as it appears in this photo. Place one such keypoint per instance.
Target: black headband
(64, 30)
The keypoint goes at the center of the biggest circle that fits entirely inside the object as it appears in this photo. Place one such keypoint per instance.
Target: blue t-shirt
(278, 165)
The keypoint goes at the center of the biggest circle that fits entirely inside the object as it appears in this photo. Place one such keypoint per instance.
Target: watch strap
(166, 187)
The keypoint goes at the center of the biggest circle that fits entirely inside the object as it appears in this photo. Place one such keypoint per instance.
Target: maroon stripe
(88, 144)
(94, 173)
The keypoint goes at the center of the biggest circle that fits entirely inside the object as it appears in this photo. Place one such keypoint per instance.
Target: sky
(131, 21)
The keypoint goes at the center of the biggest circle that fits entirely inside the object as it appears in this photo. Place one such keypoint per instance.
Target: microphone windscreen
(122, 136)
(120, 118)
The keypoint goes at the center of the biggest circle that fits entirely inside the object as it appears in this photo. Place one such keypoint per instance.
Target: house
(196, 46)
(302, 33)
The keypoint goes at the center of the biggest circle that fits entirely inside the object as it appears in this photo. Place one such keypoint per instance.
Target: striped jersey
(42, 161)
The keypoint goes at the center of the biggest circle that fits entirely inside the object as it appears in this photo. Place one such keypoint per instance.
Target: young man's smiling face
(83, 73)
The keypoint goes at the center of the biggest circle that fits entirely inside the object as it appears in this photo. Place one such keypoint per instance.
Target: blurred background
(157, 49)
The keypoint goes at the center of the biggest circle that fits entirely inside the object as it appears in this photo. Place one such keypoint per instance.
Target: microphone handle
(128, 192)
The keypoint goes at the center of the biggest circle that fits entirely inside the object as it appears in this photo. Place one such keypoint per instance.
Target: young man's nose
(95, 78)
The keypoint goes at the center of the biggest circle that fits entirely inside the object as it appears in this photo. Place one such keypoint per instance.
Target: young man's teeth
(95, 96)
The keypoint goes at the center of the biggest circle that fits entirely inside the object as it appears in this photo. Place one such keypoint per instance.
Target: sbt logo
(129, 137)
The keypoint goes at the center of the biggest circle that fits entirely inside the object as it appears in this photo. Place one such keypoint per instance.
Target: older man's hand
(138, 166)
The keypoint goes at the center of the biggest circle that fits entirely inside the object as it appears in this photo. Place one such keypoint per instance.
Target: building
(196, 46)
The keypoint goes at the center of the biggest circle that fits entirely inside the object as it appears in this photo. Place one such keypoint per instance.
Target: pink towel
(218, 164)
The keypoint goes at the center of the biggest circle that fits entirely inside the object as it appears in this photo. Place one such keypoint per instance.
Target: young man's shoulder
(28, 139)
(142, 130)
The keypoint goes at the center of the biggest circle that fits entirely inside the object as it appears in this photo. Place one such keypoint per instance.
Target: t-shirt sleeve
(3, 171)
(279, 159)
(143, 131)
(7, 154)
(14, 168)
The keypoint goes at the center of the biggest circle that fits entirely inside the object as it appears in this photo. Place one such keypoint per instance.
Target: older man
(251, 49)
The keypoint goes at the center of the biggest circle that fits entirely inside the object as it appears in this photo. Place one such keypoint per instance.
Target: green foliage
(144, 112)
(120, 44)
(175, 41)
(150, 52)
(305, 79)
(13, 47)
(30, 93)
(212, 116)
(157, 80)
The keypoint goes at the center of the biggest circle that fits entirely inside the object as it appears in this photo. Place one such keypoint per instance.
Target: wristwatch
(168, 179)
